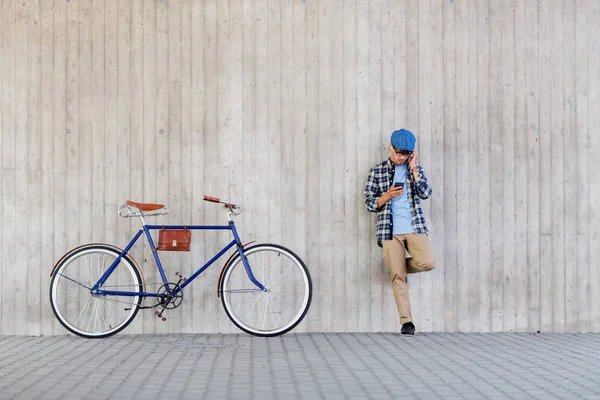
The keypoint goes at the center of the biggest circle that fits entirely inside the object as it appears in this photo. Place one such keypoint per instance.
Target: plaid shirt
(379, 181)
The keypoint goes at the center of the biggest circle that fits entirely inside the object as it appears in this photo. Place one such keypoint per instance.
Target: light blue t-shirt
(401, 213)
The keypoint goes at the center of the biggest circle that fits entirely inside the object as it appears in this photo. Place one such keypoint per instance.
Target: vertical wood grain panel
(323, 173)
(520, 167)
(312, 165)
(72, 131)
(47, 187)
(8, 168)
(374, 128)
(423, 295)
(273, 143)
(483, 127)
(435, 207)
(34, 171)
(583, 157)
(3, 74)
(339, 153)
(353, 182)
(98, 119)
(21, 158)
(474, 183)
(497, 167)
(557, 267)
(59, 162)
(365, 220)
(444, 119)
(509, 267)
(594, 164)
(545, 137)
(570, 170)
(535, 242)
(464, 263)
(8, 164)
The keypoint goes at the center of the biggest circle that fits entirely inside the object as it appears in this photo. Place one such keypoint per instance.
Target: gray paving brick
(302, 366)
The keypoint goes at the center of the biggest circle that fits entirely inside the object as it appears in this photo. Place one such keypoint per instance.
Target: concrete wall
(283, 106)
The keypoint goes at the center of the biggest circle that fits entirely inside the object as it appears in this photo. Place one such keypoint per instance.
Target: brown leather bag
(174, 239)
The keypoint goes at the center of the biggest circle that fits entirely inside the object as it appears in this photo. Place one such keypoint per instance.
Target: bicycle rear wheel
(277, 310)
(86, 314)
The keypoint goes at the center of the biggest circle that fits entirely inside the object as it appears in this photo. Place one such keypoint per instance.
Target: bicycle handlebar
(217, 200)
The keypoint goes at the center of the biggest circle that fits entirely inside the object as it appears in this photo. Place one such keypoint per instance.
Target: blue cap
(403, 139)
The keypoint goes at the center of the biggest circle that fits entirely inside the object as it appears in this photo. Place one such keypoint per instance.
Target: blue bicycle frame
(146, 229)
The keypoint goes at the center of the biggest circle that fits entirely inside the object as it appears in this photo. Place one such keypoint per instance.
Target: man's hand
(393, 192)
(412, 162)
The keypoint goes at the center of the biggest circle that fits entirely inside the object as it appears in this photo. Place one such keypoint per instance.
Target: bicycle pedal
(164, 318)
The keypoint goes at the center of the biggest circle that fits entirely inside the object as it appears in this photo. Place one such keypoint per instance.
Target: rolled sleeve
(372, 192)
(423, 189)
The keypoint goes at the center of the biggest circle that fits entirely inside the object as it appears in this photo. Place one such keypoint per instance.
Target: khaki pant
(395, 256)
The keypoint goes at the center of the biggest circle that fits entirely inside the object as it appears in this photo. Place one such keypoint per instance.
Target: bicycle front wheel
(91, 315)
(278, 309)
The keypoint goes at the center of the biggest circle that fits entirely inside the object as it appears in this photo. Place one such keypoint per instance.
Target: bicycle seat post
(142, 219)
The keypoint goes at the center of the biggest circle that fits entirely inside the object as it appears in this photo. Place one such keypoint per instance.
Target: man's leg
(395, 257)
(422, 255)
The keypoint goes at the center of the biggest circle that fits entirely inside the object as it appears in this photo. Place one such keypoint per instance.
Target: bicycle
(97, 289)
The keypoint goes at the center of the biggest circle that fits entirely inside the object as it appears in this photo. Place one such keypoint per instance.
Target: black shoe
(408, 329)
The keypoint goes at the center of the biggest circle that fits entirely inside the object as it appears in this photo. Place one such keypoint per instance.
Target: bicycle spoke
(91, 316)
(273, 312)
(74, 281)
(250, 303)
(113, 316)
(281, 277)
(273, 270)
(253, 306)
(84, 307)
(106, 308)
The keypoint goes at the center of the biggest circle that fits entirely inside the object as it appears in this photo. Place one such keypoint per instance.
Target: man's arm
(423, 189)
(372, 194)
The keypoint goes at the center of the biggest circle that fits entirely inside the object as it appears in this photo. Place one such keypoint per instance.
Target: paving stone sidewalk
(302, 366)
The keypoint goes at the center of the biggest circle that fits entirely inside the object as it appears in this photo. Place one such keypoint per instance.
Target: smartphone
(401, 184)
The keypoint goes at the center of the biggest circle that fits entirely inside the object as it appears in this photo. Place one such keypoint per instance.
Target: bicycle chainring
(167, 300)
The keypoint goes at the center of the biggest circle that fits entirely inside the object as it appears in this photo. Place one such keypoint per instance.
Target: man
(394, 190)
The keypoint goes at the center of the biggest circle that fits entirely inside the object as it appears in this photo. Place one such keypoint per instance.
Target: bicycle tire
(85, 314)
(235, 299)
